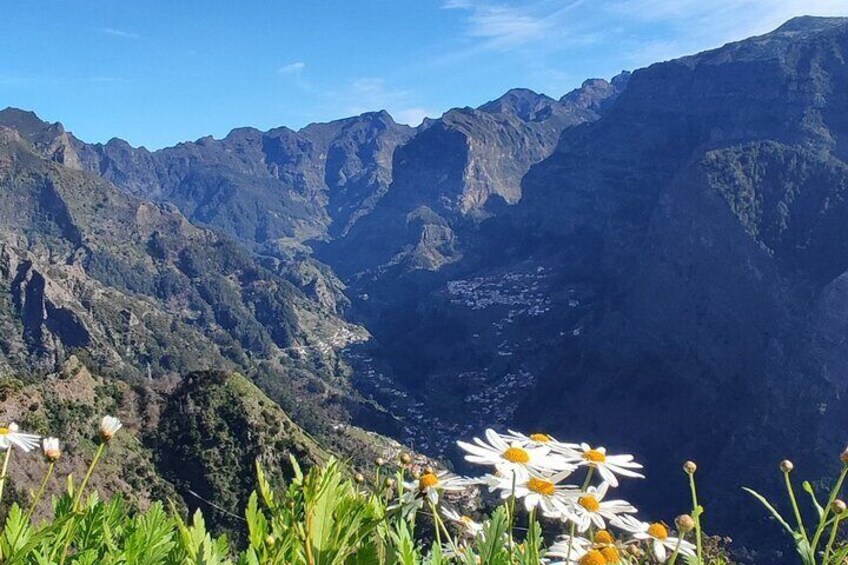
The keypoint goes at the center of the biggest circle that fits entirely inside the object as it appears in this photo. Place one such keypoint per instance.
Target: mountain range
(656, 263)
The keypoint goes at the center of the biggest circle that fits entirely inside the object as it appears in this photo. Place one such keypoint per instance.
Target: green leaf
(771, 509)
(265, 487)
(809, 490)
(257, 524)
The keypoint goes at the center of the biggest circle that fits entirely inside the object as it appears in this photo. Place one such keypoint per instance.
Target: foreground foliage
(405, 514)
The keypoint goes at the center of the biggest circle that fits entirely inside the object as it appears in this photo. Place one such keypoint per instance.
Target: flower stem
(88, 473)
(822, 521)
(583, 488)
(696, 514)
(5, 469)
(795, 508)
(440, 523)
(570, 543)
(73, 527)
(588, 479)
(40, 492)
(531, 552)
(676, 551)
(436, 524)
(831, 539)
(3, 472)
(34, 503)
(511, 519)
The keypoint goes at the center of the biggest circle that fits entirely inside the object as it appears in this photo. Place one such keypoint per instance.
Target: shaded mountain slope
(454, 173)
(264, 186)
(135, 290)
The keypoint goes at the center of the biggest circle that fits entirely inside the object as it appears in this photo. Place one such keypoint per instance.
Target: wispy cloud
(367, 94)
(413, 116)
(646, 30)
(290, 68)
(503, 26)
(114, 32)
(694, 25)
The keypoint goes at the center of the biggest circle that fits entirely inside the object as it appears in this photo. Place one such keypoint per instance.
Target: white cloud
(369, 94)
(118, 33)
(413, 116)
(701, 25)
(505, 27)
(295, 67)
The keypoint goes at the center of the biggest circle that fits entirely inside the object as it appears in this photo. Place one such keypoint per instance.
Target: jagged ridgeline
(134, 293)
(657, 261)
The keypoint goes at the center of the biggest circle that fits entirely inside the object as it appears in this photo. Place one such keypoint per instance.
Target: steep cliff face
(263, 187)
(135, 289)
(93, 279)
(454, 173)
(705, 213)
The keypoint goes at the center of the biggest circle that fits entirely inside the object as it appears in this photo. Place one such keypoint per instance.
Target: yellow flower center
(541, 486)
(516, 455)
(427, 480)
(594, 456)
(589, 502)
(466, 520)
(604, 537)
(593, 557)
(658, 531)
(611, 554)
(4, 431)
(541, 438)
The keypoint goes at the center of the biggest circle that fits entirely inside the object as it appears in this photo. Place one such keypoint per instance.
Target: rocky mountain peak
(812, 24)
(523, 103)
(49, 140)
(596, 94)
(27, 123)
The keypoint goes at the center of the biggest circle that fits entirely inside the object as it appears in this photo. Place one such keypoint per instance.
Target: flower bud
(786, 466)
(390, 483)
(270, 540)
(684, 523)
(109, 427)
(50, 448)
(844, 456)
(689, 467)
(838, 506)
(405, 458)
(359, 478)
(380, 461)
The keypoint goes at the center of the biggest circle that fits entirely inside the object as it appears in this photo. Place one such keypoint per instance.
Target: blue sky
(156, 73)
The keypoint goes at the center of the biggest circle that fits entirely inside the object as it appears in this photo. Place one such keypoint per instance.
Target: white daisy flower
(608, 466)
(541, 492)
(109, 426)
(656, 535)
(50, 448)
(604, 542)
(510, 457)
(430, 486)
(601, 550)
(587, 508)
(569, 550)
(467, 524)
(11, 437)
(539, 439)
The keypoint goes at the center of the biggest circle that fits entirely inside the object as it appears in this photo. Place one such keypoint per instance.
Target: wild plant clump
(406, 514)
